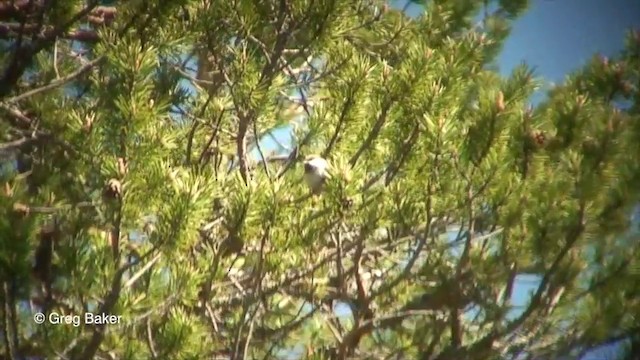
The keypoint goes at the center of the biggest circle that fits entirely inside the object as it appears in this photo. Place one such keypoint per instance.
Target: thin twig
(57, 83)
(262, 158)
(55, 59)
(150, 342)
(141, 272)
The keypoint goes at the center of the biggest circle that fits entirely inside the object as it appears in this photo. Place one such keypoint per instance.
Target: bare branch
(57, 83)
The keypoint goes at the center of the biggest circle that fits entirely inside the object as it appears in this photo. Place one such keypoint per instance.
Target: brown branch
(150, 342)
(12, 30)
(373, 133)
(241, 146)
(26, 209)
(455, 323)
(395, 166)
(382, 322)
(21, 9)
(17, 8)
(262, 157)
(24, 121)
(194, 127)
(8, 146)
(348, 104)
(10, 322)
(23, 56)
(109, 303)
(485, 344)
(572, 237)
(363, 312)
(57, 83)
(116, 286)
(283, 331)
(414, 258)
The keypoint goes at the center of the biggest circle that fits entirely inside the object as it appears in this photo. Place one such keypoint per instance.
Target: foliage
(140, 179)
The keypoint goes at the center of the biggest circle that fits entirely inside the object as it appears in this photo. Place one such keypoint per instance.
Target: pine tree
(140, 180)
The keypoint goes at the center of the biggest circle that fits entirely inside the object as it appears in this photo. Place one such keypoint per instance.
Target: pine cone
(21, 209)
(44, 253)
(626, 88)
(428, 53)
(346, 203)
(618, 68)
(539, 138)
(500, 101)
(232, 245)
(386, 71)
(113, 189)
(604, 60)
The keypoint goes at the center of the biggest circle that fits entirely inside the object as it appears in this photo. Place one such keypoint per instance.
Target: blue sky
(557, 36)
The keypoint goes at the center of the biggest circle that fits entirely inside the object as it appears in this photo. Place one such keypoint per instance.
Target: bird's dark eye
(308, 168)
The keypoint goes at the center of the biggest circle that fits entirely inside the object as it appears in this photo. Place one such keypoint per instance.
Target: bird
(316, 173)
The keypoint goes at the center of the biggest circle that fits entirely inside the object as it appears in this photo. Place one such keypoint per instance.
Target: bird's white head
(316, 172)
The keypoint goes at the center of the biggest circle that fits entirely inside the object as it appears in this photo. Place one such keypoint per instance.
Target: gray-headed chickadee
(316, 173)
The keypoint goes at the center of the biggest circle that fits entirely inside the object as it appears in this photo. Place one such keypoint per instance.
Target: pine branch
(58, 82)
(14, 30)
(23, 55)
